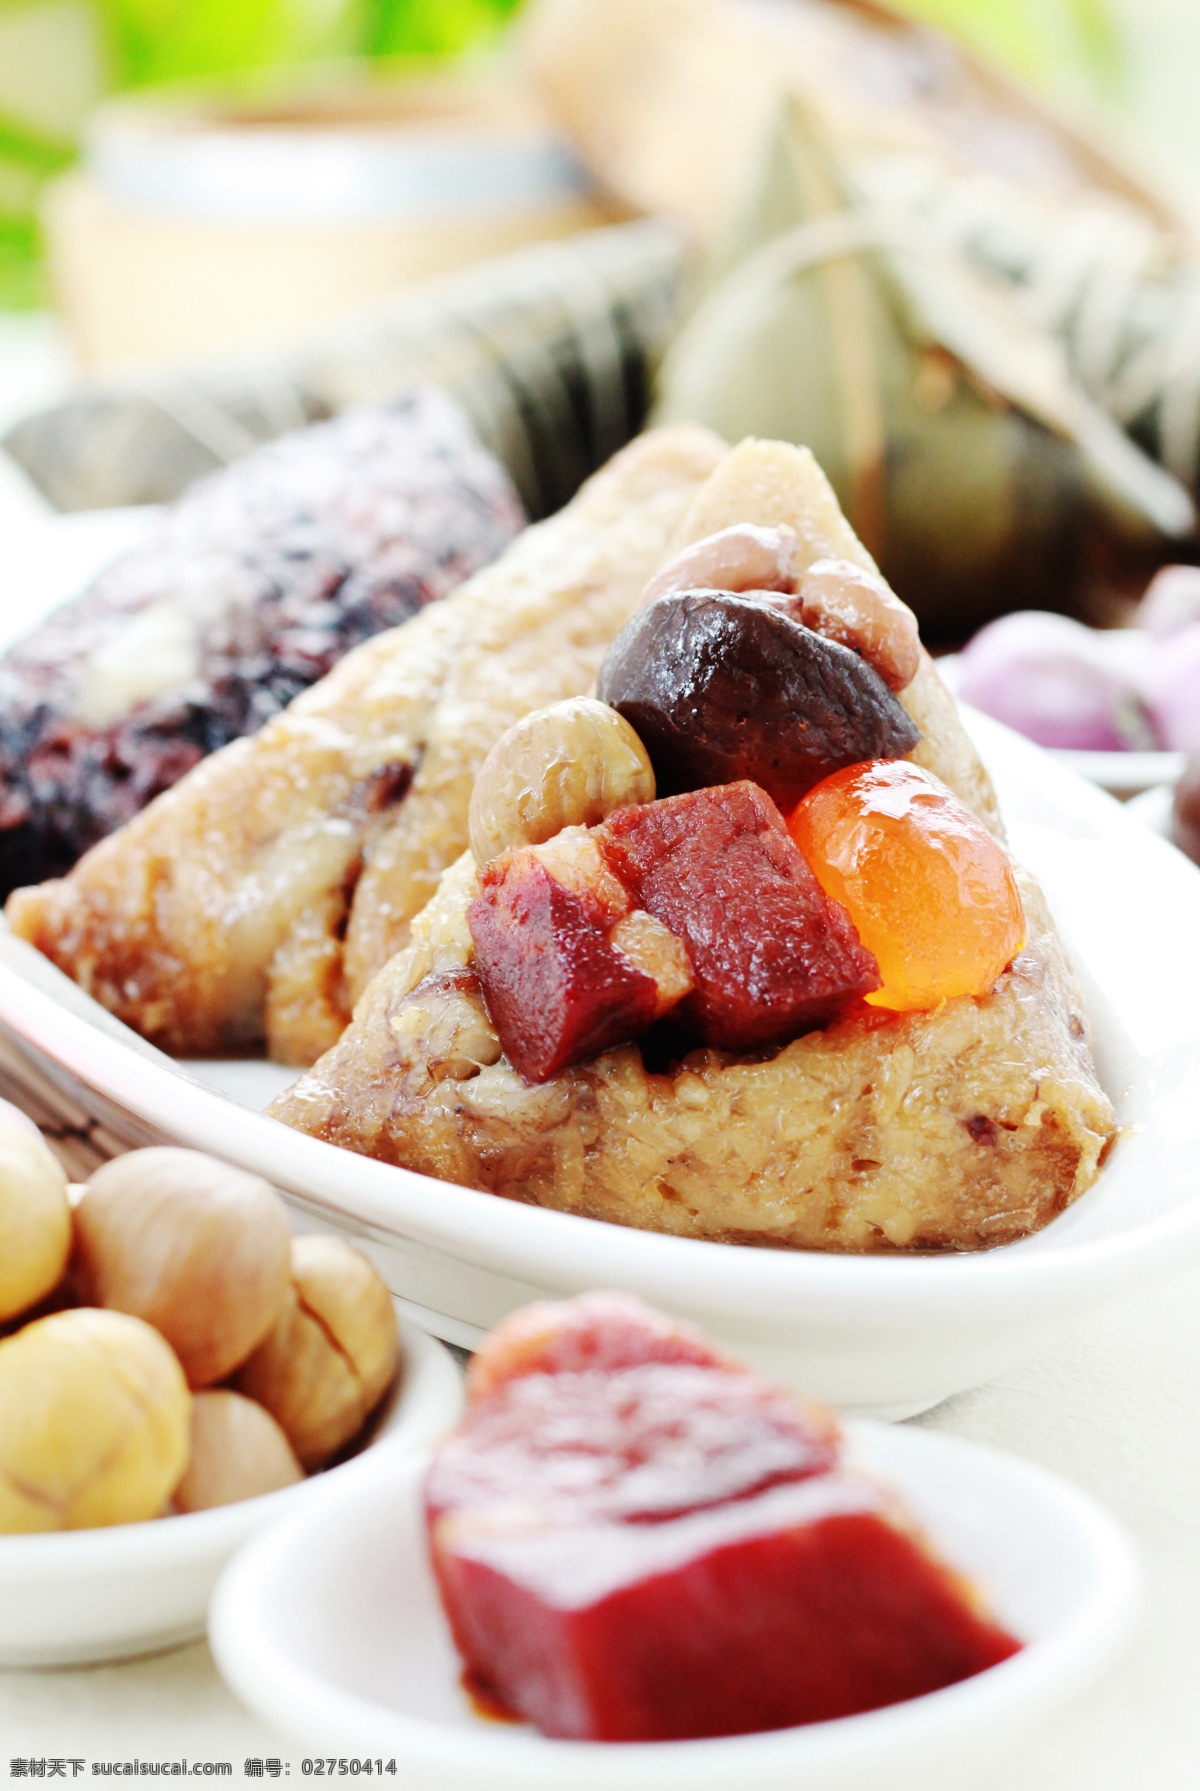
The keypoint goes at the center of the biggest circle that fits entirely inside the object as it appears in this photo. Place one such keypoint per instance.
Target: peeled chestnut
(846, 603)
(35, 1216)
(93, 1422)
(721, 687)
(743, 557)
(199, 1250)
(237, 1452)
(332, 1353)
(565, 766)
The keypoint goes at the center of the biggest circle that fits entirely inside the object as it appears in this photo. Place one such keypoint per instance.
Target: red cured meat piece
(773, 956)
(634, 1445)
(634, 1545)
(556, 989)
(602, 1330)
(807, 1602)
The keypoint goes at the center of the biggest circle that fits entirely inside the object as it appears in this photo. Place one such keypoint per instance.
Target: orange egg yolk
(931, 893)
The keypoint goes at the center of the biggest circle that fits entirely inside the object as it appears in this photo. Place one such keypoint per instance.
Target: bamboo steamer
(197, 229)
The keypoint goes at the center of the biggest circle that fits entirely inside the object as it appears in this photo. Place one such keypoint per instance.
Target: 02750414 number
(327, 1767)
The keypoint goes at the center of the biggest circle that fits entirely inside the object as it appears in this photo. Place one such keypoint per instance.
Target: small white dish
(87, 1595)
(329, 1628)
(1124, 773)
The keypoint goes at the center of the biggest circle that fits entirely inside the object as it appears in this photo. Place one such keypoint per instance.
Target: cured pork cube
(637, 1540)
(806, 1602)
(635, 1445)
(773, 956)
(566, 968)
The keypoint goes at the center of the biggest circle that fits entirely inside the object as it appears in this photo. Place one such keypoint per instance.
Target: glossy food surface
(931, 892)
(721, 687)
(801, 1604)
(772, 955)
(668, 1549)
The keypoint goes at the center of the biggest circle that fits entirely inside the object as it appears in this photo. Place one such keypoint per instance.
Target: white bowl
(86, 1595)
(329, 1628)
(1154, 808)
(884, 1335)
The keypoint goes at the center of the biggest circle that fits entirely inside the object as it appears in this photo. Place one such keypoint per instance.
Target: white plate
(329, 1628)
(48, 560)
(1153, 808)
(86, 1595)
(1124, 773)
(884, 1335)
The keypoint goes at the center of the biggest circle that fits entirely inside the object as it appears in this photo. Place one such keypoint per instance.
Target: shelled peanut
(174, 1273)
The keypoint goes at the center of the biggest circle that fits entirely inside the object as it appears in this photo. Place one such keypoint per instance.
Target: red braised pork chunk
(700, 903)
(772, 954)
(567, 967)
(637, 1540)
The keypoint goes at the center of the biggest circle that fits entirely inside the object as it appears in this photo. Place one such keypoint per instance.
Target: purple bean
(1171, 687)
(1057, 682)
(1172, 600)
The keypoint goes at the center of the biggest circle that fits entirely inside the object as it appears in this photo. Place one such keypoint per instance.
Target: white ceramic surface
(1124, 773)
(1153, 809)
(329, 1628)
(49, 560)
(883, 1335)
(90, 1595)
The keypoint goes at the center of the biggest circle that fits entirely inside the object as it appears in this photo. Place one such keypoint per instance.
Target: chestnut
(565, 766)
(94, 1416)
(238, 1451)
(198, 1249)
(35, 1216)
(332, 1353)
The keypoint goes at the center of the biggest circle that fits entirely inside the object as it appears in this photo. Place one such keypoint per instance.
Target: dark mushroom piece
(721, 687)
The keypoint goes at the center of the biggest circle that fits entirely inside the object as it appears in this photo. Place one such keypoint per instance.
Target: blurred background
(58, 58)
(1126, 69)
(952, 245)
